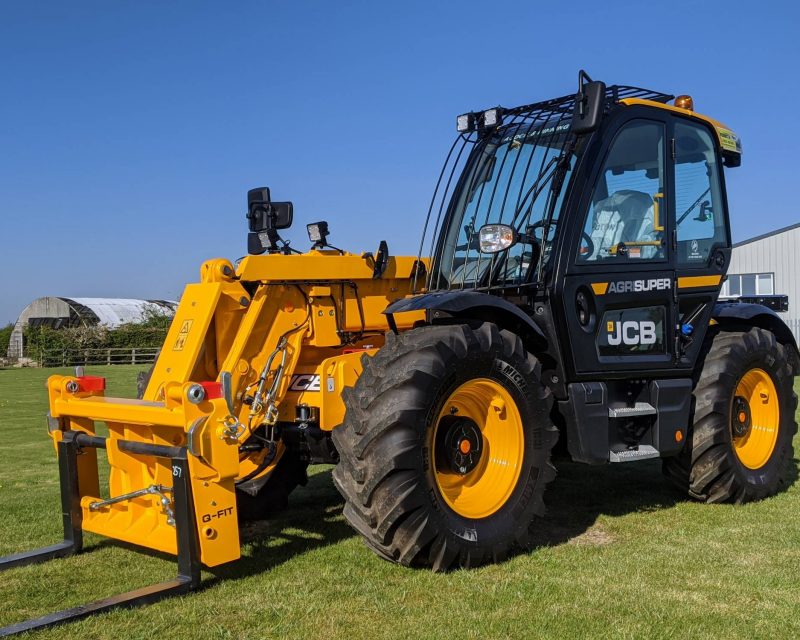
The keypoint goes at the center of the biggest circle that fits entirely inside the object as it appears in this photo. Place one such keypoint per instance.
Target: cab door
(702, 234)
(618, 294)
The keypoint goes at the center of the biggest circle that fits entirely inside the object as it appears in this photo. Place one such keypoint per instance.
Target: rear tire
(142, 380)
(408, 417)
(745, 375)
(259, 498)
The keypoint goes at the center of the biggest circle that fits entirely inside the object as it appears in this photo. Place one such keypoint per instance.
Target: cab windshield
(515, 176)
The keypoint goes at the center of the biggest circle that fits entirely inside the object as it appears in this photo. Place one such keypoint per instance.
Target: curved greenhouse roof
(112, 312)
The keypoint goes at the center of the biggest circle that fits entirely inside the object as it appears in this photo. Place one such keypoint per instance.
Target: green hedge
(140, 335)
(5, 336)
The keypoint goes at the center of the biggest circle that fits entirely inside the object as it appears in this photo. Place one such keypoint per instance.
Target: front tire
(739, 447)
(445, 447)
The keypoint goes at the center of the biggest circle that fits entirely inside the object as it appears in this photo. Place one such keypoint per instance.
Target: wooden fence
(78, 357)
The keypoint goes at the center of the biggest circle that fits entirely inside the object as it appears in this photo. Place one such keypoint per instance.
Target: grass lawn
(622, 556)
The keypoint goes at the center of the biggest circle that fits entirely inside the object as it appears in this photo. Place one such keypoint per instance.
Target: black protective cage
(546, 123)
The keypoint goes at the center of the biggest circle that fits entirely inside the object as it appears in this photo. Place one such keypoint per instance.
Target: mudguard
(756, 315)
(470, 304)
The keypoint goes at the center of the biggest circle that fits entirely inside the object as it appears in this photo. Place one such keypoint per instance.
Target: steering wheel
(585, 237)
(539, 224)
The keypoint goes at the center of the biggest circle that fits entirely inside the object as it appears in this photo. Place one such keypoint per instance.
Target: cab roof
(728, 140)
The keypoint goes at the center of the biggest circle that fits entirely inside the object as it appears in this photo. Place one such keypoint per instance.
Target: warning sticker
(694, 251)
(728, 140)
(183, 335)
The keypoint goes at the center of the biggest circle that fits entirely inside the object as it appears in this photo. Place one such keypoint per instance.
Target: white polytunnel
(58, 313)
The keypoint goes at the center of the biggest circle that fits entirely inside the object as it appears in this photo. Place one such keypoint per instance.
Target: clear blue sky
(130, 131)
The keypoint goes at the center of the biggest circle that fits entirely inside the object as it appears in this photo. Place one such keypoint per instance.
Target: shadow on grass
(311, 521)
(575, 500)
(581, 493)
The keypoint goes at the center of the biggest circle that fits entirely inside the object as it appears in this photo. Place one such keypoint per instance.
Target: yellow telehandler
(567, 287)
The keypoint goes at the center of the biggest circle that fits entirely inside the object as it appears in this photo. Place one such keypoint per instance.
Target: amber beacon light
(685, 102)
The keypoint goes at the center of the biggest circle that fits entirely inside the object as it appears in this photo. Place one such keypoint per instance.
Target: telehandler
(567, 287)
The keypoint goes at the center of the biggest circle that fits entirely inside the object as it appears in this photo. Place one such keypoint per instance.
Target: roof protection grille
(614, 94)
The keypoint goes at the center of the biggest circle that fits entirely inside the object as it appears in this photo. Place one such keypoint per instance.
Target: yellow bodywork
(320, 311)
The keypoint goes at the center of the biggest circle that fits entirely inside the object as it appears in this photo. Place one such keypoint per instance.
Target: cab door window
(699, 213)
(625, 219)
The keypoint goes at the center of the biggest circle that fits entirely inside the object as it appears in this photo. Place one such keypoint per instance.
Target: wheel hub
(755, 419)
(462, 443)
(741, 419)
(478, 448)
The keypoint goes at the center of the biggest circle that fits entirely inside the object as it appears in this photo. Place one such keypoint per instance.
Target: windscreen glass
(514, 176)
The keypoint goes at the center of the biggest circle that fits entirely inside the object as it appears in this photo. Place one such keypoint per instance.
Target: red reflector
(91, 384)
(213, 390)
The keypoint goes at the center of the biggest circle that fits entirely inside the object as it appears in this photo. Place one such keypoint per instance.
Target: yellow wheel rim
(755, 419)
(481, 421)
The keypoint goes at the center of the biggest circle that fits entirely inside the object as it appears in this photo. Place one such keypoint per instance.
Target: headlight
(496, 237)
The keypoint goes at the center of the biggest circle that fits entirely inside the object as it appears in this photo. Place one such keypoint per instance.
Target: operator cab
(596, 226)
(602, 209)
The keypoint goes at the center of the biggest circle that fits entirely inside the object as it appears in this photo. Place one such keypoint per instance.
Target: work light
(317, 232)
(465, 123)
(492, 118)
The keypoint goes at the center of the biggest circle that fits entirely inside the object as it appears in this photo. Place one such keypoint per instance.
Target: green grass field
(621, 556)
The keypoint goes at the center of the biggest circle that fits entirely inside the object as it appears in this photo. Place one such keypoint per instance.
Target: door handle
(657, 225)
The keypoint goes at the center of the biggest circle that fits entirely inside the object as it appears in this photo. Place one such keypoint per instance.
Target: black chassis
(588, 387)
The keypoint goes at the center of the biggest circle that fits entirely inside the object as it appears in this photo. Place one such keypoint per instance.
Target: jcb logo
(304, 382)
(631, 332)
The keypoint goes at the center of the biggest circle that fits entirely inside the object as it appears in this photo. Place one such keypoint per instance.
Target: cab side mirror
(264, 218)
(589, 102)
(263, 214)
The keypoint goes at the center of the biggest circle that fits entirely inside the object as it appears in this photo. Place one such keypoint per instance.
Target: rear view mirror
(589, 102)
(264, 218)
(263, 214)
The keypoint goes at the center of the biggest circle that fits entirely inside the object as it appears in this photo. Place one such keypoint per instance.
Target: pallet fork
(188, 577)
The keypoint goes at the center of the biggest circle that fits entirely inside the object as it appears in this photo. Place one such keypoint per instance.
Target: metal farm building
(768, 264)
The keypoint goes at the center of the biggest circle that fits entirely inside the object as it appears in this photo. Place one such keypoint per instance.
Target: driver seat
(626, 216)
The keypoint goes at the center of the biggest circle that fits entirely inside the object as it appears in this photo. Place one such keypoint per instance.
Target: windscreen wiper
(546, 172)
(534, 191)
